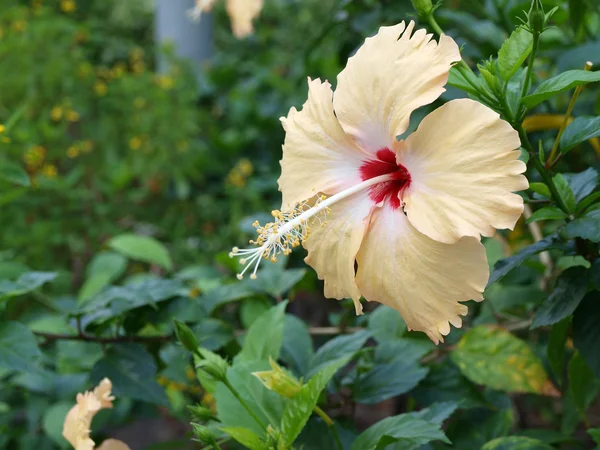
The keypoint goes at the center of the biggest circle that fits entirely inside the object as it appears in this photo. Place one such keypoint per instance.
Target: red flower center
(386, 164)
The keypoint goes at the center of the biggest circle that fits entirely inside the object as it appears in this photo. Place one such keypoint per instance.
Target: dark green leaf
(504, 266)
(298, 410)
(53, 421)
(496, 358)
(132, 371)
(586, 227)
(227, 293)
(386, 323)
(514, 52)
(541, 189)
(297, 347)
(142, 248)
(278, 282)
(18, 347)
(565, 191)
(214, 333)
(340, 347)
(246, 437)
(560, 83)
(556, 347)
(26, 282)
(547, 213)
(265, 336)
(588, 201)
(586, 332)
(516, 443)
(578, 131)
(595, 434)
(564, 298)
(582, 184)
(251, 309)
(13, 173)
(583, 385)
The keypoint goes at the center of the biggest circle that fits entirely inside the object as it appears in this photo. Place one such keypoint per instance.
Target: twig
(104, 340)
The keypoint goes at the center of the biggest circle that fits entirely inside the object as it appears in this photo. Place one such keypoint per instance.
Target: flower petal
(464, 168)
(387, 79)
(423, 279)
(113, 444)
(317, 154)
(332, 247)
(242, 13)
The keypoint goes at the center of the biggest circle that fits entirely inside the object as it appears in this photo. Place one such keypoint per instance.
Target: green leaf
(410, 430)
(299, 409)
(93, 285)
(566, 262)
(53, 421)
(560, 83)
(297, 347)
(457, 80)
(595, 434)
(587, 202)
(586, 227)
(578, 131)
(547, 213)
(541, 189)
(214, 333)
(386, 324)
(14, 173)
(132, 371)
(246, 437)
(564, 298)
(565, 192)
(142, 248)
(340, 347)
(505, 265)
(18, 347)
(514, 52)
(102, 270)
(26, 282)
(251, 309)
(496, 358)
(582, 184)
(586, 332)
(556, 347)
(265, 336)
(516, 443)
(583, 385)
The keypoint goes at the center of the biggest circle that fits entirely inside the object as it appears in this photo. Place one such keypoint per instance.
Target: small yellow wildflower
(73, 116)
(245, 167)
(118, 70)
(84, 69)
(34, 157)
(165, 82)
(2, 128)
(100, 88)
(19, 25)
(68, 6)
(73, 151)
(87, 146)
(135, 143)
(50, 170)
(56, 113)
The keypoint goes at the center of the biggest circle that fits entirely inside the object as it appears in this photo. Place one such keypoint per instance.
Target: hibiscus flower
(395, 221)
(241, 13)
(77, 426)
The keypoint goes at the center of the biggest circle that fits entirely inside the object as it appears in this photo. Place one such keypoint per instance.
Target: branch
(104, 340)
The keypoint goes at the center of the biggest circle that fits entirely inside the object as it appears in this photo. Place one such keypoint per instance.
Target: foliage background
(123, 189)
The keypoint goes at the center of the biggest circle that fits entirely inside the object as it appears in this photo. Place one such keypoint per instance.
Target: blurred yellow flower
(19, 25)
(241, 13)
(77, 425)
(73, 152)
(72, 116)
(135, 143)
(139, 102)
(34, 157)
(100, 88)
(68, 6)
(87, 146)
(56, 113)
(50, 170)
(2, 128)
(164, 82)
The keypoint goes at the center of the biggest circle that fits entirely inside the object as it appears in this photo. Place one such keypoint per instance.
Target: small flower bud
(201, 413)
(423, 7)
(203, 434)
(536, 17)
(186, 336)
(278, 380)
(212, 364)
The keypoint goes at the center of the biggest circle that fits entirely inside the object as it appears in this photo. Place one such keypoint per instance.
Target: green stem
(529, 74)
(542, 170)
(329, 421)
(244, 404)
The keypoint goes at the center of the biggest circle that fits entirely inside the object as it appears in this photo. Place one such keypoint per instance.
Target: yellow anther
(243, 261)
(235, 250)
(253, 276)
(239, 276)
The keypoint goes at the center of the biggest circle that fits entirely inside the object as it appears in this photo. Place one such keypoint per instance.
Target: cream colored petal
(390, 76)
(332, 247)
(242, 13)
(464, 168)
(77, 425)
(113, 444)
(200, 7)
(317, 154)
(423, 279)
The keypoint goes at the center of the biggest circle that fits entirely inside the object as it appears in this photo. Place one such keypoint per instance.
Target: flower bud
(186, 336)
(423, 7)
(201, 413)
(278, 380)
(212, 364)
(536, 17)
(203, 434)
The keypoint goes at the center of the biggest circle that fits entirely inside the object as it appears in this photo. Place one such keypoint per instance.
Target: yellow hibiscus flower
(409, 214)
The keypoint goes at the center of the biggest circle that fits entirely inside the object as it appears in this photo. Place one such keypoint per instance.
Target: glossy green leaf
(297, 347)
(142, 248)
(514, 52)
(493, 357)
(13, 173)
(516, 443)
(560, 83)
(586, 332)
(585, 227)
(564, 298)
(583, 183)
(557, 347)
(300, 407)
(565, 191)
(583, 385)
(251, 309)
(547, 213)
(18, 347)
(132, 371)
(340, 347)
(578, 131)
(246, 437)
(587, 202)
(458, 80)
(595, 434)
(386, 323)
(265, 336)
(541, 189)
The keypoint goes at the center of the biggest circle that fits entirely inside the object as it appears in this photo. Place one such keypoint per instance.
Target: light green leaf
(565, 191)
(496, 358)
(516, 443)
(132, 371)
(265, 336)
(560, 83)
(583, 183)
(53, 421)
(26, 282)
(142, 248)
(251, 309)
(457, 80)
(18, 347)
(514, 52)
(93, 285)
(299, 409)
(107, 262)
(541, 189)
(246, 437)
(340, 347)
(583, 385)
(595, 434)
(547, 213)
(578, 131)
(13, 173)
(297, 347)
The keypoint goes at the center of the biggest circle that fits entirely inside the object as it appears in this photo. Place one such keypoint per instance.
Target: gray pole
(191, 40)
